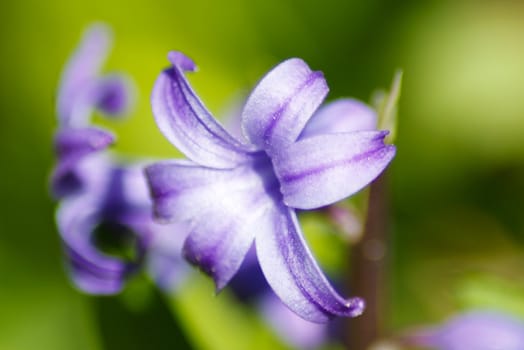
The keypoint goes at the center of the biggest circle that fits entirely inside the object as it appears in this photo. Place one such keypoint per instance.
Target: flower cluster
(233, 193)
(104, 217)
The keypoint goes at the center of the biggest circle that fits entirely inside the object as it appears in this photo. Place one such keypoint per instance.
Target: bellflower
(83, 90)
(479, 330)
(234, 192)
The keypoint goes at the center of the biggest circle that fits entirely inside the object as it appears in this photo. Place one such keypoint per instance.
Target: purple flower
(109, 234)
(479, 330)
(82, 90)
(105, 216)
(238, 191)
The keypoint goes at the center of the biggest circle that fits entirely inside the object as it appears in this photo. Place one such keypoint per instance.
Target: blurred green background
(457, 182)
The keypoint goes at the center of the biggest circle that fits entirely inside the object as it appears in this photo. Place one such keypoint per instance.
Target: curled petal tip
(323, 169)
(383, 133)
(355, 306)
(219, 286)
(186, 122)
(114, 95)
(180, 60)
(100, 31)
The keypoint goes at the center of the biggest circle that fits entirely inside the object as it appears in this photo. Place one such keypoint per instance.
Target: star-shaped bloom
(479, 330)
(82, 91)
(109, 234)
(234, 192)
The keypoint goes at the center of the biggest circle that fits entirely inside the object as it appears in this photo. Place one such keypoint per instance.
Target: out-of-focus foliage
(208, 319)
(457, 183)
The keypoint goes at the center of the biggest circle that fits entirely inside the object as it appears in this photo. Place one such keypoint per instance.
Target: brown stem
(367, 279)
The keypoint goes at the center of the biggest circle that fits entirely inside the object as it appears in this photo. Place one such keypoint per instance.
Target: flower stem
(367, 278)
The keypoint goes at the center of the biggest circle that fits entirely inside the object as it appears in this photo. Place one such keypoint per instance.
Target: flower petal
(219, 241)
(187, 124)
(293, 274)
(112, 94)
(91, 271)
(223, 207)
(344, 115)
(321, 170)
(73, 146)
(183, 190)
(282, 103)
(78, 76)
(165, 262)
(79, 142)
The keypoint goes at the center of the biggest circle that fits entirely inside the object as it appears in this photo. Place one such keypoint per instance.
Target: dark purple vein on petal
(276, 116)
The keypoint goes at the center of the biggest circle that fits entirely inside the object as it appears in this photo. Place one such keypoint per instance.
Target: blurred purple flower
(235, 192)
(479, 330)
(82, 90)
(294, 330)
(109, 234)
(348, 221)
(105, 216)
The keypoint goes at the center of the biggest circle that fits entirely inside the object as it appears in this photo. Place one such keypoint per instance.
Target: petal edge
(293, 274)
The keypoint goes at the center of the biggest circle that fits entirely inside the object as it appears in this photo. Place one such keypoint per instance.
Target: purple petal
(231, 115)
(73, 176)
(219, 241)
(78, 76)
(182, 190)
(344, 115)
(126, 191)
(321, 170)
(73, 146)
(187, 124)
(117, 200)
(79, 142)
(165, 262)
(223, 206)
(112, 95)
(282, 103)
(293, 274)
(91, 271)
